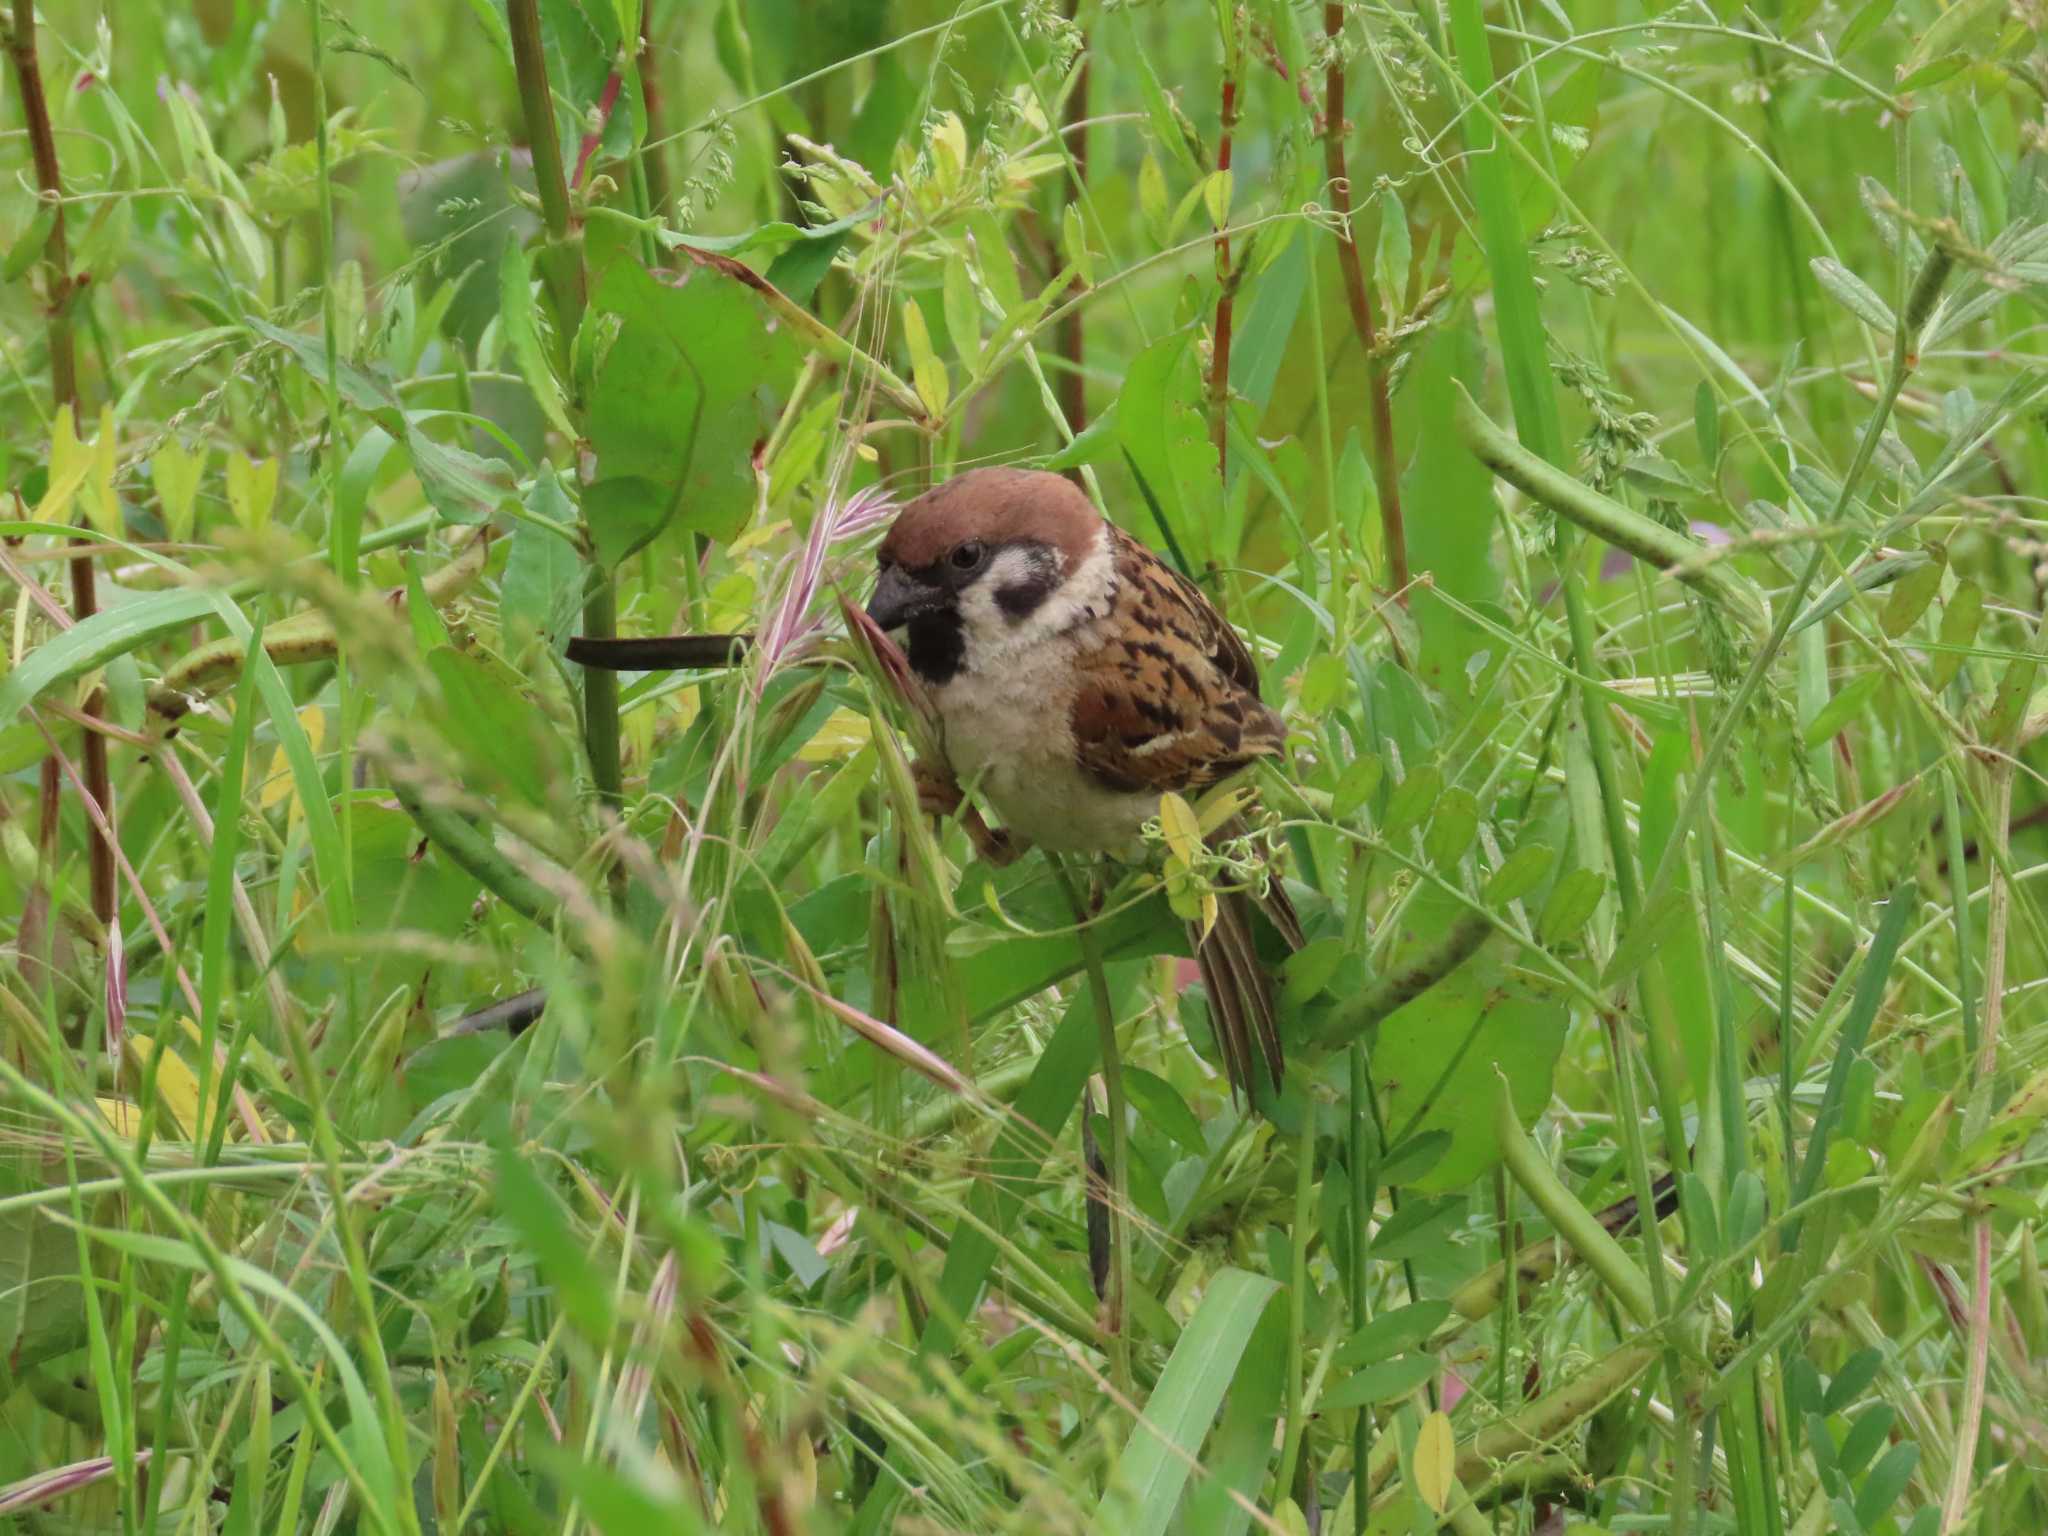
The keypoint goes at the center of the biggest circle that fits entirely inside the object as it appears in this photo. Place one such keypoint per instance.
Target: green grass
(1672, 835)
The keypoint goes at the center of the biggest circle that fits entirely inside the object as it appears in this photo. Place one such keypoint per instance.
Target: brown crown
(996, 506)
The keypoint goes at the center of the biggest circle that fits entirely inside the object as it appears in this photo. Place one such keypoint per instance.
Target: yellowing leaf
(102, 507)
(1219, 805)
(177, 1088)
(1436, 1471)
(70, 463)
(844, 733)
(279, 785)
(949, 149)
(175, 471)
(1216, 197)
(252, 490)
(926, 371)
(1183, 831)
(122, 1118)
(1152, 191)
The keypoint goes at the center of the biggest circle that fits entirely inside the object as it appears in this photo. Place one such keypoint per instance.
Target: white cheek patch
(994, 637)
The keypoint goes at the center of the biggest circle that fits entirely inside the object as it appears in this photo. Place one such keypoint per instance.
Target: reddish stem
(594, 137)
(1226, 284)
(1073, 387)
(35, 108)
(1385, 476)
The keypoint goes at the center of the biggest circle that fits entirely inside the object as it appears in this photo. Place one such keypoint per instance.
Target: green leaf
(1160, 421)
(926, 370)
(542, 588)
(1870, 987)
(1519, 874)
(1391, 259)
(1162, 1450)
(1452, 826)
(505, 739)
(581, 1288)
(1853, 294)
(1571, 904)
(1307, 973)
(683, 384)
(1887, 1480)
(1706, 419)
(625, 513)
(1865, 22)
(1910, 597)
(1845, 706)
(519, 322)
(1413, 798)
(1157, 1101)
(1361, 776)
(1381, 1383)
(1435, 1058)
(1390, 1333)
(28, 245)
(463, 487)
(1960, 618)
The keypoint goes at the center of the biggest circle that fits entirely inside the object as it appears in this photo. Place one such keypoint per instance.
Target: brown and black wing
(1172, 703)
(1170, 700)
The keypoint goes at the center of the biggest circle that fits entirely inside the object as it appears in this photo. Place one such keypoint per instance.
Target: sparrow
(1076, 677)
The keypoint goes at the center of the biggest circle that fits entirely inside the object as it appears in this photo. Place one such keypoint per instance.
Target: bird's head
(978, 558)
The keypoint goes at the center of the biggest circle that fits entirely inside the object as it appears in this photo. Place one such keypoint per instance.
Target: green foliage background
(1641, 549)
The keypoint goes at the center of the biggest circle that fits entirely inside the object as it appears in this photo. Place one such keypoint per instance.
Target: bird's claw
(938, 792)
(939, 795)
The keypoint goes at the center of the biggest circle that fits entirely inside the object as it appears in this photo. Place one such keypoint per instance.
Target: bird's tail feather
(1242, 1001)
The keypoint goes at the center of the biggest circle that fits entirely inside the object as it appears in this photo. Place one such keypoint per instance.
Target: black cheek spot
(1022, 599)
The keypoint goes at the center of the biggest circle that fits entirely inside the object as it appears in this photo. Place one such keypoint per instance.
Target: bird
(1076, 677)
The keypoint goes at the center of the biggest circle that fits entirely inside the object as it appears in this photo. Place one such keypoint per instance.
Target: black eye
(967, 556)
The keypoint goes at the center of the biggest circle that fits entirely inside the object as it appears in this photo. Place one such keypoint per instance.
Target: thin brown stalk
(652, 163)
(1385, 474)
(1227, 276)
(61, 290)
(1073, 387)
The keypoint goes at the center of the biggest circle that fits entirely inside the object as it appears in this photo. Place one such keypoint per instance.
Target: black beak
(899, 598)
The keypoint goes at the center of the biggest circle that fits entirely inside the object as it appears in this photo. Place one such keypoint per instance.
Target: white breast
(1007, 713)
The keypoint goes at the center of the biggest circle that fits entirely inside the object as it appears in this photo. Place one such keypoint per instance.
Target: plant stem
(1115, 1304)
(1227, 277)
(1997, 914)
(562, 270)
(562, 261)
(1073, 385)
(61, 290)
(1386, 477)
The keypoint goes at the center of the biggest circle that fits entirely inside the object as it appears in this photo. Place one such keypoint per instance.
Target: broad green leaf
(1160, 1455)
(681, 391)
(1435, 1058)
(1160, 419)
